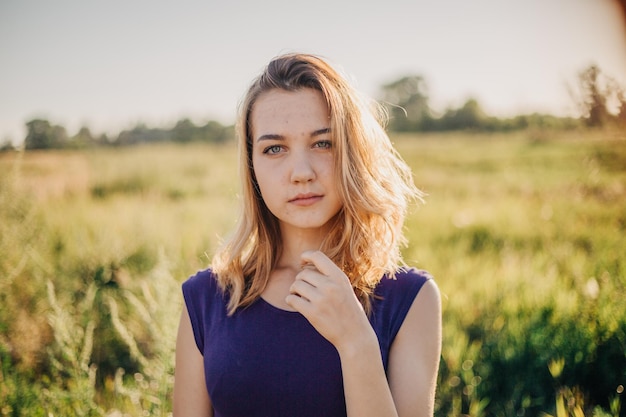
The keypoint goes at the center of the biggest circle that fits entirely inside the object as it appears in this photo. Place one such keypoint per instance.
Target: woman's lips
(305, 199)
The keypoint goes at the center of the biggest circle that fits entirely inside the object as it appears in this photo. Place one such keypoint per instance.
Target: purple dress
(264, 361)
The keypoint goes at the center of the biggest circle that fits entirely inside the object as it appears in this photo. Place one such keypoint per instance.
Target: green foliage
(407, 102)
(468, 116)
(42, 135)
(525, 238)
(601, 99)
(524, 233)
(19, 396)
(183, 132)
(6, 146)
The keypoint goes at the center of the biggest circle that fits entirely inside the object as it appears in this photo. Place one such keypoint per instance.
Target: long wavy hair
(374, 183)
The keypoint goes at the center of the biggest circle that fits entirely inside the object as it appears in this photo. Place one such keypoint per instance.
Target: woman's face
(293, 157)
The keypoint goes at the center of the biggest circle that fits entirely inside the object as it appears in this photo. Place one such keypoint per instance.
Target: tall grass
(527, 240)
(525, 234)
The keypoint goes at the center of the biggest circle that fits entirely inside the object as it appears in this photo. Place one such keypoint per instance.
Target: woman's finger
(320, 261)
(300, 304)
(311, 276)
(304, 289)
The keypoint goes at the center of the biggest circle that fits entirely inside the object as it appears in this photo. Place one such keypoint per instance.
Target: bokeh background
(118, 180)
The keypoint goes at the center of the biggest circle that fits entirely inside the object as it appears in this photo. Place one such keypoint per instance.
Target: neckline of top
(279, 310)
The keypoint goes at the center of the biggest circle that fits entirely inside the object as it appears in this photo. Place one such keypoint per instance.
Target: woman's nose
(302, 168)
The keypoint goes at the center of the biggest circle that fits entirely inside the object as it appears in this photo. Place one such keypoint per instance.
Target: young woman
(306, 310)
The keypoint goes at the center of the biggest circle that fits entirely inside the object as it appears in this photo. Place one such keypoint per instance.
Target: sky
(110, 65)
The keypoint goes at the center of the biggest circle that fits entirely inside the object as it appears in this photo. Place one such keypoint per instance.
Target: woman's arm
(415, 353)
(191, 398)
(325, 297)
(413, 365)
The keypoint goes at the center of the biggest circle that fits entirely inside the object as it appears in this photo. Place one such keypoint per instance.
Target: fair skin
(293, 163)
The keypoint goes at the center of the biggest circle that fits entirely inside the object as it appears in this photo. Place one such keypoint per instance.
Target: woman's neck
(295, 242)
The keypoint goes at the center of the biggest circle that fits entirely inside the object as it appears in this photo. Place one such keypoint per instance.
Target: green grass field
(525, 234)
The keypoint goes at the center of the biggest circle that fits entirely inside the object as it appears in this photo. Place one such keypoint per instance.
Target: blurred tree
(407, 102)
(83, 138)
(621, 114)
(184, 131)
(216, 132)
(142, 134)
(600, 98)
(469, 116)
(6, 145)
(103, 140)
(594, 97)
(42, 135)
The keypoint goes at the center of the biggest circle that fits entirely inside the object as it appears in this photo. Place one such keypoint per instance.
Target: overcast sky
(112, 64)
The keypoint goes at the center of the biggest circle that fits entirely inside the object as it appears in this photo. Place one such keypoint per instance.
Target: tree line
(41, 134)
(599, 98)
(601, 102)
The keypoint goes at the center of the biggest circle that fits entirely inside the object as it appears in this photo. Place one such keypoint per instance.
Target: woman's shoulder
(405, 281)
(411, 273)
(203, 280)
(393, 297)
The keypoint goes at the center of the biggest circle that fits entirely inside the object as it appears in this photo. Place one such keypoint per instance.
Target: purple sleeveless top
(264, 361)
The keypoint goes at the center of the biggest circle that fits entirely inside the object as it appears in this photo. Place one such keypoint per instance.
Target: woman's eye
(274, 149)
(324, 144)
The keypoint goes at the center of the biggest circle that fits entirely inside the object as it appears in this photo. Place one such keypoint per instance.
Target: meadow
(524, 232)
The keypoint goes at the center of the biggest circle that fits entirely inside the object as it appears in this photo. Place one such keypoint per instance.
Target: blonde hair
(375, 185)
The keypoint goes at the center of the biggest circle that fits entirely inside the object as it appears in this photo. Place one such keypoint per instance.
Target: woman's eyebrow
(276, 136)
(321, 131)
(270, 136)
